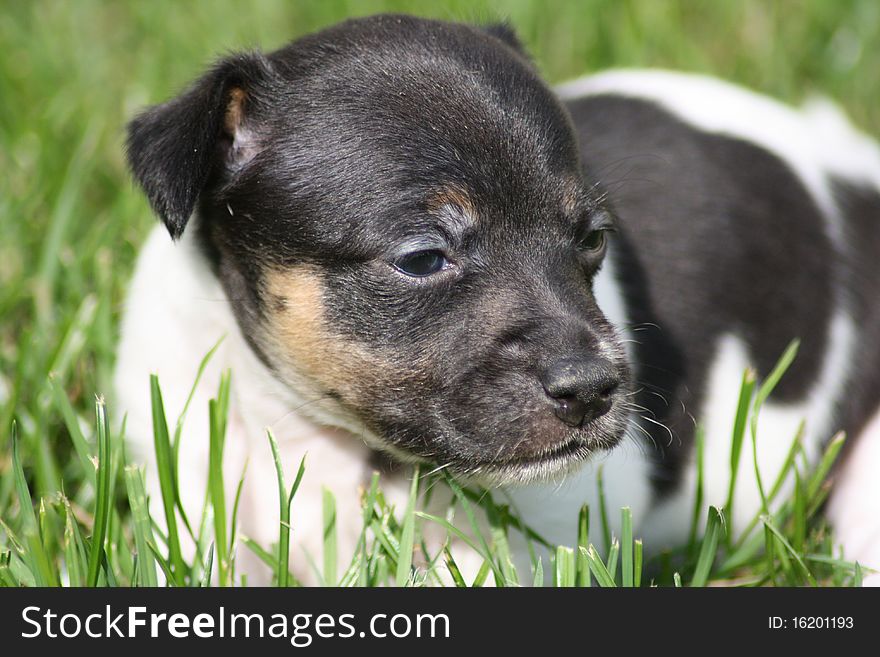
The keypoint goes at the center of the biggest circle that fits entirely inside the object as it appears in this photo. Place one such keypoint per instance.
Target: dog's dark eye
(592, 241)
(421, 263)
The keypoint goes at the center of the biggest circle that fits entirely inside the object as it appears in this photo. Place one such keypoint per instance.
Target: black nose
(582, 388)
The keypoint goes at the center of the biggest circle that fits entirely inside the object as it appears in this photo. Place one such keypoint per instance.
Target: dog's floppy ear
(504, 31)
(173, 147)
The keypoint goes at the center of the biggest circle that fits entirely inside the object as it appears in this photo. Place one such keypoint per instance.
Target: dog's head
(398, 215)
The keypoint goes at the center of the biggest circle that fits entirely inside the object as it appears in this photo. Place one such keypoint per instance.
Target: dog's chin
(552, 465)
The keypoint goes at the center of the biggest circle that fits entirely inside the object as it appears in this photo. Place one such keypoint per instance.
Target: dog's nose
(581, 387)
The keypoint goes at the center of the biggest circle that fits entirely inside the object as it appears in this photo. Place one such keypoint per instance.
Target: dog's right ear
(173, 147)
(506, 33)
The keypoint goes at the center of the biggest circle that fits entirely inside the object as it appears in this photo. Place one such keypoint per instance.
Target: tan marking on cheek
(305, 342)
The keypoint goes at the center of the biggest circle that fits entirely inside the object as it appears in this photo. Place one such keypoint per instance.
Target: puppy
(410, 245)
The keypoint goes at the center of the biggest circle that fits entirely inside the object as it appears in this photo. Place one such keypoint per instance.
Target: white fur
(854, 508)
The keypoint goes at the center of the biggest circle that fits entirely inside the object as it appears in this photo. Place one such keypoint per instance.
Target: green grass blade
(267, 558)
(178, 432)
(15, 570)
(71, 421)
(498, 532)
(143, 532)
(205, 582)
(285, 500)
(7, 577)
(42, 569)
(769, 384)
(485, 551)
(388, 541)
(637, 563)
(453, 569)
(165, 471)
(828, 459)
(780, 537)
(603, 577)
(233, 527)
(163, 563)
(583, 563)
(482, 575)
(64, 210)
(350, 576)
(407, 536)
(102, 503)
(74, 548)
(799, 514)
(368, 510)
(611, 561)
(709, 548)
(782, 476)
(330, 550)
(27, 517)
(283, 557)
(452, 529)
(626, 547)
(765, 506)
(788, 463)
(603, 510)
(217, 487)
(381, 572)
(700, 440)
(764, 392)
(538, 580)
(564, 574)
(746, 391)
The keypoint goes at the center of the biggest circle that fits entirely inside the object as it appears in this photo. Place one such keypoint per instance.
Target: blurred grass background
(72, 73)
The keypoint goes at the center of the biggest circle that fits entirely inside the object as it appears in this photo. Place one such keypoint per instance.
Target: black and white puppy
(411, 244)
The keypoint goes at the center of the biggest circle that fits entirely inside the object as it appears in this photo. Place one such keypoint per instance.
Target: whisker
(662, 426)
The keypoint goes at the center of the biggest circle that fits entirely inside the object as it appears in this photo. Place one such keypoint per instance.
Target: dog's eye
(421, 263)
(592, 241)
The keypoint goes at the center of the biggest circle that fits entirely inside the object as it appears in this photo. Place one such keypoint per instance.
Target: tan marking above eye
(457, 198)
(571, 197)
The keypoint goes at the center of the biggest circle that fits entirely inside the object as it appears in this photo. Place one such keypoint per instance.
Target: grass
(73, 506)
